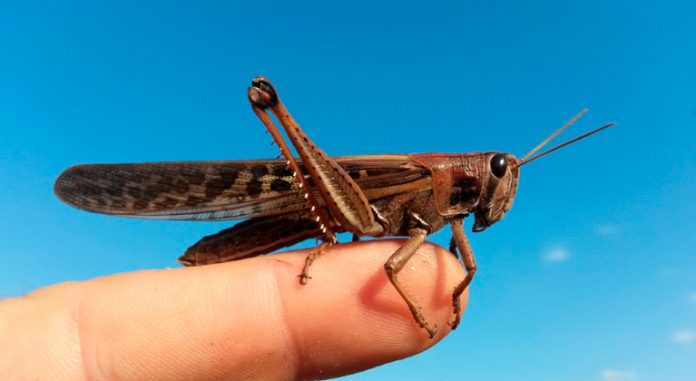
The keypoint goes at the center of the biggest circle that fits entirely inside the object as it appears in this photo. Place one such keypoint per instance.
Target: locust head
(502, 173)
(482, 183)
(499, 188)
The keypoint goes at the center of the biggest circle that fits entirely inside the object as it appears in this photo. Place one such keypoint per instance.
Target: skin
(248, 319)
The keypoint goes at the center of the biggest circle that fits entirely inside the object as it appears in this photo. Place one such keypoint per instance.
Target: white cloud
(556, 254)
(684, 336)
(692, 297)
(618, 375)
(606, 230)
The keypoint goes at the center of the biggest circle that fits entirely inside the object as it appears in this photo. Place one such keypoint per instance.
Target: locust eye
(499, 164)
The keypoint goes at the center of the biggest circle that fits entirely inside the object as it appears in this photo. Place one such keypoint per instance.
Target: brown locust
(290, 199)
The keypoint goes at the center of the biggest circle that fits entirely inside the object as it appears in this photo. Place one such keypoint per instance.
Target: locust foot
(304, 275)
(457, 310)
(420, 319)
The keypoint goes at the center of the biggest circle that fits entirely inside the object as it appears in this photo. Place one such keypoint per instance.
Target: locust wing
(218, 190)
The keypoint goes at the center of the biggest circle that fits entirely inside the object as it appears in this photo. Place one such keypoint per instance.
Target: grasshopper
(290, 199)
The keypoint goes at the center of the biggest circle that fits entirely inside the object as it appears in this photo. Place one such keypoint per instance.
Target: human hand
(244, 320)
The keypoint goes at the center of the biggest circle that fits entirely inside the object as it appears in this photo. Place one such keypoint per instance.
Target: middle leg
(397, 262)
(469, 261)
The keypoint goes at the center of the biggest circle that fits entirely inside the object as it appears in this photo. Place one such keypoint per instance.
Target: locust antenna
(558, 131)
(571, 141)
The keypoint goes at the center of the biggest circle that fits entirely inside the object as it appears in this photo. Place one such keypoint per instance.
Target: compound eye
(499, 164)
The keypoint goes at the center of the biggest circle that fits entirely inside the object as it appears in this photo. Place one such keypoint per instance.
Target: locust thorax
(483, 183)
(499, 186)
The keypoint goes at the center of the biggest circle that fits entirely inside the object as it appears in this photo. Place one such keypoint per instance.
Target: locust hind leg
(344, 202)
(262, 95)
(397, 262)
(343, 198)
(462, 243)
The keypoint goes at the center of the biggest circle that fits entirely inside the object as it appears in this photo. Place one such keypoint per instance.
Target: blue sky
(591, 275)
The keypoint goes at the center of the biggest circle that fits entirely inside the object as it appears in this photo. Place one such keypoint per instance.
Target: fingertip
(358, 316)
